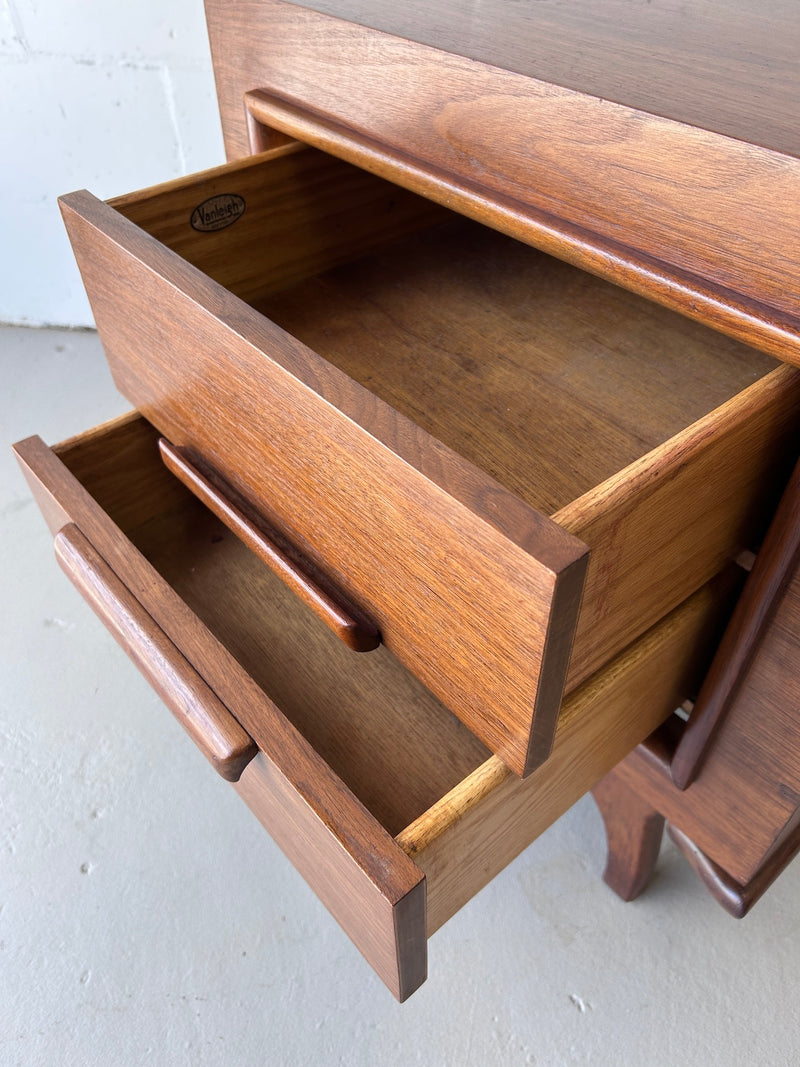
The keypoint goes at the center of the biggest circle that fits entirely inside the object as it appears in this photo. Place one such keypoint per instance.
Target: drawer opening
(395, 746)
(547, 378)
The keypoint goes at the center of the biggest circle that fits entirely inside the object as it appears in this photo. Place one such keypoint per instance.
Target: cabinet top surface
(728, 66)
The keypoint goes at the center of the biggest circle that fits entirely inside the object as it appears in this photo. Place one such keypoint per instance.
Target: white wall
(93, 94)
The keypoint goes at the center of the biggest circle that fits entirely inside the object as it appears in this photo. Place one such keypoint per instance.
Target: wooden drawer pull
(207, 721)
(357, 632)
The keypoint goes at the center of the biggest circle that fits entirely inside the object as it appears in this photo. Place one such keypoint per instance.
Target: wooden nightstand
(458, 393)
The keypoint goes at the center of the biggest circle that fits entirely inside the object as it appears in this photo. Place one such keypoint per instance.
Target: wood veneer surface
(726, 65)
(546, 377)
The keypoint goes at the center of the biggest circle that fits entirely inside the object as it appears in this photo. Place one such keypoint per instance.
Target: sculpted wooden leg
(633, 831)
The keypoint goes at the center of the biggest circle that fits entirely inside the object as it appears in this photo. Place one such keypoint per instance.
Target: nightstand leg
(633, 830)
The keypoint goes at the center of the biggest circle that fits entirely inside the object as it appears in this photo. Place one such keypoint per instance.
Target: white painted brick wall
(99, 95)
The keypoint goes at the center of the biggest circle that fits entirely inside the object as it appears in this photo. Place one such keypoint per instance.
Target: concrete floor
(145, 917)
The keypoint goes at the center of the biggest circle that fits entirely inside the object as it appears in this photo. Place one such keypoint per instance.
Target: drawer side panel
(491, 817)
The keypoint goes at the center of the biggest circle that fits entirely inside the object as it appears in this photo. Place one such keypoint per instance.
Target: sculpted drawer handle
(208, 722)
(358, 633)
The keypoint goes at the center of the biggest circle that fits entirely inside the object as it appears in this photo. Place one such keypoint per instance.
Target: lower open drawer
(393, 811)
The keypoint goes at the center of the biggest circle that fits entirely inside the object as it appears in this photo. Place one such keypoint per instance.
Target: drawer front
(372, 888)
(474, 591)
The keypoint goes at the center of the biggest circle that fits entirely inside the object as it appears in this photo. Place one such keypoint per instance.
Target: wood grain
(652, 435)
(328, 604)
(143, 491)
(545, 377)
(209, 724)
(476, 592)
(365, 721)
(727, 67)
(398, 764)
(704, 223)
(489, 818)
(463, 816)
(777, 561)
(572, 409)
(700, 217)
(366, 881)
(645, 777)
(671, 520)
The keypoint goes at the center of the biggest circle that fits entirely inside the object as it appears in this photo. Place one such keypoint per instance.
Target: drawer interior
(396, 747)
(547, 378)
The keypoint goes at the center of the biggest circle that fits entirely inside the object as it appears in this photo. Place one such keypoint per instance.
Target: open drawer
(386, 803)
(442, 421)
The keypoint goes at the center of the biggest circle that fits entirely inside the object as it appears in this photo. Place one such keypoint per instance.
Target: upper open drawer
(439, 419)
